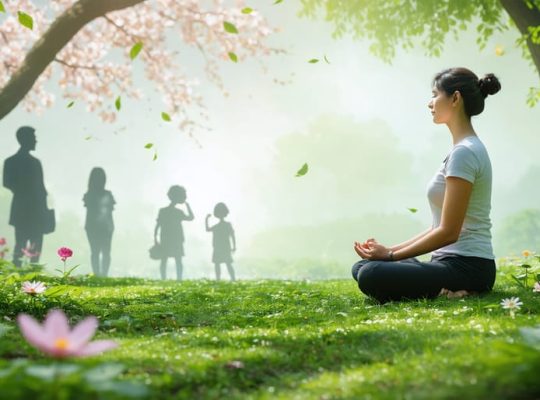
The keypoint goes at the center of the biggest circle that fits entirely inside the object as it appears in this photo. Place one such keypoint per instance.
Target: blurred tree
(79, 38)
(390, 23)
(519, 231)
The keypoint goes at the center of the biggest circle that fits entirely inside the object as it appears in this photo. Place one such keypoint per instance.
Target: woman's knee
(356, 267)
(369, 277)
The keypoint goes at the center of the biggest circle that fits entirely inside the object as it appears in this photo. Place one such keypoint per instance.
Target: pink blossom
(64, 253)
(536, 287)
(27, 251)
(2, 241)
(33, 287)
(55, 337)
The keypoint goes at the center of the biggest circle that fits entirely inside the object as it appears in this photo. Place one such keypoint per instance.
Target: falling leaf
(2, 9)
(302, 171)
(413, 210)
(148, 145)
(88, 138)
(118, 103)
(70, 104)
(165, 116)
(247, 10)
(313, 61)
(229, 27)
(25, 20)
(135, 50)
(278, 1)
(499, 50)
(233, 57)
(155, 157)
(326, 59)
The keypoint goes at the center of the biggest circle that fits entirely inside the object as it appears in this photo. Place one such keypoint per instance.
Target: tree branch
(524, 17)
(44, 51)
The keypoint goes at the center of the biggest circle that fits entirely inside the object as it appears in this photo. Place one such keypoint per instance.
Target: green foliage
(135, 50)
(70, 104)
(25, 20)
(165, 117)
(229, 27)
(233, 57)
(388, 24)
(302, 171)
(247, 10)
(2, 8)
(519, 231)
(148, 145)
(118, 103)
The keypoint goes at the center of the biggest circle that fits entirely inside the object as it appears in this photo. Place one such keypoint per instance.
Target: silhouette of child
(169, 225)
(223, 240)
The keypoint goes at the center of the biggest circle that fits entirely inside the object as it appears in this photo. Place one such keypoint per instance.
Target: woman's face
(441, 106)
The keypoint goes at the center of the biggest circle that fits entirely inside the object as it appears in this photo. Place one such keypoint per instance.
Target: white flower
(33, 287)
(536, 287)
(512, 304)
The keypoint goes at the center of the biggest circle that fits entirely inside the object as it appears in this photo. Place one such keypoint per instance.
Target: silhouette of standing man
(29, 216)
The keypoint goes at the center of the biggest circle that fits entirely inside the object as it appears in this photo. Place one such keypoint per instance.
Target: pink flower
(536, 287)
(2, 241)
(33, 287)
(55, 337)
(64, 253)
(28, 252)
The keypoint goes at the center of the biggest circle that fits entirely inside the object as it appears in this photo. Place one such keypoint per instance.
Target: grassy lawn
(276, 339)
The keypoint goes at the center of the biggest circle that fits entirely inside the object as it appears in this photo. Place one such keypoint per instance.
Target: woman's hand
(372, 250)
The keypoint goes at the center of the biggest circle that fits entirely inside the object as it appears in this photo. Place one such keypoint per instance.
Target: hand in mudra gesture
(372, 250)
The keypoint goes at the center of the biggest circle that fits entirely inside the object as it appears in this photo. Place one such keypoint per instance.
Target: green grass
(297, 339)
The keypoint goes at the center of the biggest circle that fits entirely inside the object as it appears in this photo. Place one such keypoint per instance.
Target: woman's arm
(233, 240)
(206, 223)
(410, 241)
(456, 199)
(156, 232)
(189, 216)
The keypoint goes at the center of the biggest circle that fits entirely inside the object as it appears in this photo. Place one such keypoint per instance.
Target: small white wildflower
(511, 304)
(536, 287)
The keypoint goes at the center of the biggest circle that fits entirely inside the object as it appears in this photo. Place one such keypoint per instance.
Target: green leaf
(525, 266)
(103, 372)
(233, 57)
(2, 9)
(70, 104)
(148, 145)
(313, 61)
(25, 20)
(56, 290)
(247, 10)
(491, 306)
(229, 27)
(88, 138)
(135, 50)
(155, 157)
(302, 171)
(278, 1)
(118, 103)
(165, 116)
(326, 59)
(518, 281)
(413, 210)
(3, 329)
(538, 277)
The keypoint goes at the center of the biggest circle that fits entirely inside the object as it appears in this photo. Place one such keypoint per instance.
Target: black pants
(412, 279)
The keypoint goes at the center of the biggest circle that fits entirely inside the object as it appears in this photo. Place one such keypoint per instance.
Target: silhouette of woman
(99, 224)
(169, 225)
(223, 240)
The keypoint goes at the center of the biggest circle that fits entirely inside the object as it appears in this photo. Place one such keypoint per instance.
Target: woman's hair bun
(489, 84)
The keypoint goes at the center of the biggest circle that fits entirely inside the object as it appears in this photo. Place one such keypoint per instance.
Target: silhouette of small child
(169, 225)
(223, 240)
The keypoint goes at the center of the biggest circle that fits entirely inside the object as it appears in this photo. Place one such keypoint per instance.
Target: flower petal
(34, 333)
(96, 347)
(56, 324)
(82, 333)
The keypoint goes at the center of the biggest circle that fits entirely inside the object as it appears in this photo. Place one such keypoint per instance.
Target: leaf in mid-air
(118, 103)
(326, 59)
(25, 20)
(135, 50)
(233, 57)
(302, 171)
(413, 210)
(229, 27)
(148, 145)
(155, 157)
(278, 1)
(165, 116)
(2, 9)
(70, 104)
(313, 61)
(247, 10)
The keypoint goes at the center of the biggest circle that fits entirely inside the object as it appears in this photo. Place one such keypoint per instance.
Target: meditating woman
(459, 195)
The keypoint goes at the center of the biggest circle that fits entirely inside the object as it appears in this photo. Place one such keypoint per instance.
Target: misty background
(363, 127)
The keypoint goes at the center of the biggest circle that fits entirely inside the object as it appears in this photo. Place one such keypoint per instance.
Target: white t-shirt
(468, 160)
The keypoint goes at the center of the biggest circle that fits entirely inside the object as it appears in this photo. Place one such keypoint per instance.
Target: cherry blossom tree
(90, 48)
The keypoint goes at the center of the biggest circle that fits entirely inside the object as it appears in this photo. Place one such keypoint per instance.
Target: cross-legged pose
(459, 196)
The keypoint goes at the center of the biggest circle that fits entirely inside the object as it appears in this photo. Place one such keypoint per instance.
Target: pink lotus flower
(27, 251)
(64, 253)
(33, 287)
(536, 287)
(3, 241)
(55, 337)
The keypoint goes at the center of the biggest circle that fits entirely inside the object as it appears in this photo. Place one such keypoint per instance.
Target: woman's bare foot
(459, 294)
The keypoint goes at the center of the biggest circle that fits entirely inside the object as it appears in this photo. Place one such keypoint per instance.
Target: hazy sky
(263, 132)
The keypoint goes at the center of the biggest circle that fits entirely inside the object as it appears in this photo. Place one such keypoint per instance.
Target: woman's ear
(455, 97)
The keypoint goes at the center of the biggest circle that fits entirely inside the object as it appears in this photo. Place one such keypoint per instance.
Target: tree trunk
(524, 17)
(61, 31)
